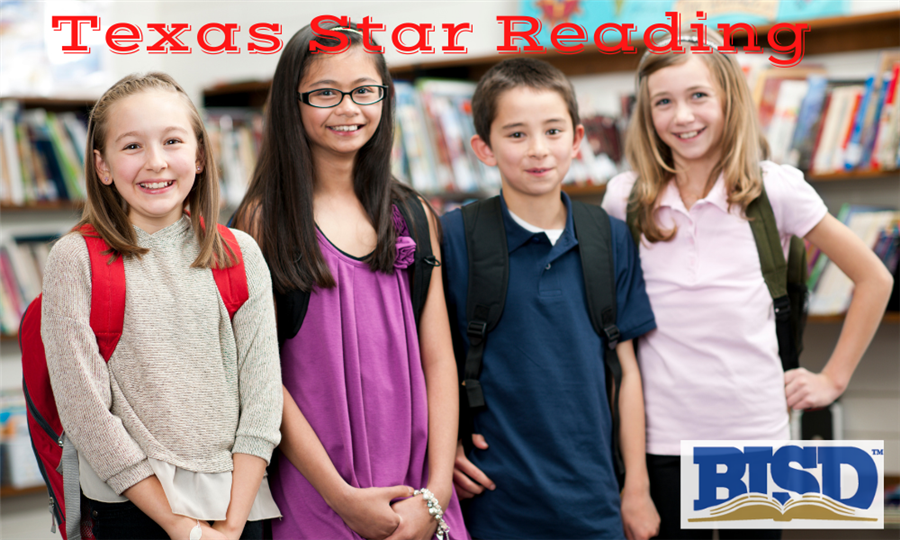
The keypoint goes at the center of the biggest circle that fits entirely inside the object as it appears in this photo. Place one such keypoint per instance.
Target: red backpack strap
(107, 292)
(232, 281)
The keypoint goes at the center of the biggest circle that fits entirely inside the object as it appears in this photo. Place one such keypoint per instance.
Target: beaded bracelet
(435, 510)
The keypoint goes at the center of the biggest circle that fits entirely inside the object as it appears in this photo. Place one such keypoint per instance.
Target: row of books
(18, 466)
(41, 155)
(21, 267)
(431, 148)
(830, 289)
(824, 125)
(434, 126)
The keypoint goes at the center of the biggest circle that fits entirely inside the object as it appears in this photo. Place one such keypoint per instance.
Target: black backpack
(488, 280)
(786, 280)
(292, 305)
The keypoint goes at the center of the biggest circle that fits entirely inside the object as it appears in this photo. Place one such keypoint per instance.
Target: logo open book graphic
(756, 506)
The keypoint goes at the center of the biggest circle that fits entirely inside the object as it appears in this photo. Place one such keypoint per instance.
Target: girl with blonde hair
(711, 370)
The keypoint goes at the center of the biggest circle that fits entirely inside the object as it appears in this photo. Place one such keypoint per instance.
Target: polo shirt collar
(717, 196)
(516, 235)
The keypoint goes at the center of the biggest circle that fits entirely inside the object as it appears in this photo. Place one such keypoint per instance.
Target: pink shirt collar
(717, 196)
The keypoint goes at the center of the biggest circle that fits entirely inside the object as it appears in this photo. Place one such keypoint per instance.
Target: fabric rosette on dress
(406, 246)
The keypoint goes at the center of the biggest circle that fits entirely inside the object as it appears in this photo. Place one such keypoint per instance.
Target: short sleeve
(634, 316)
(796, 205)
(615, 201)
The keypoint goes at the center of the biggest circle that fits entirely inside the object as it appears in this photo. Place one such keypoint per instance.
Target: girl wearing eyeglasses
(370, 400)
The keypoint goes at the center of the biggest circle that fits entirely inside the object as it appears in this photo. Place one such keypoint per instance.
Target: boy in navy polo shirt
(548, 472)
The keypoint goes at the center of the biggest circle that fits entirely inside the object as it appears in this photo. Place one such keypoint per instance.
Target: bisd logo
(782, 484)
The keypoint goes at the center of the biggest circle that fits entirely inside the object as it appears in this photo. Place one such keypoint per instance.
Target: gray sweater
(185, 385)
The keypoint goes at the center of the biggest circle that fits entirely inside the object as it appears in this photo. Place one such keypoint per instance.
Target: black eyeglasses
(326, 98)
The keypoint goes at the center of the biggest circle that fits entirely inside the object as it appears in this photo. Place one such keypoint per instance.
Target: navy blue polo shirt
(547, 420)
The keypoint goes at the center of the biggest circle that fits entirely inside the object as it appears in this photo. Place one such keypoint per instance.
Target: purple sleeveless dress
(355, 372)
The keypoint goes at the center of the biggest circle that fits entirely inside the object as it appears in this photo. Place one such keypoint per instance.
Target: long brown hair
(278, 207)
(743, 145)
(107, 211)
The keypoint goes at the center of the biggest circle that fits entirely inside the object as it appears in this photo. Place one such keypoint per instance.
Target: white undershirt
(552, 234)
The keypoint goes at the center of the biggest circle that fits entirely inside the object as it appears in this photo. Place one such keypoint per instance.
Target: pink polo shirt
(711, 368)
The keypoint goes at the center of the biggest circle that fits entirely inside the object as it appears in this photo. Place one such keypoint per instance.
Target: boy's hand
(468, 479)
(639, 516)
(368, 511)
(806, 390)
(415, 523)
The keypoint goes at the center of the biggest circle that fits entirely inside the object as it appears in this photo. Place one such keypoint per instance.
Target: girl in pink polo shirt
(712, 370)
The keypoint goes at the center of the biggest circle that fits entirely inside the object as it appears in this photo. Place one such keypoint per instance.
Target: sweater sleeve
(79, 375)
(259, 365)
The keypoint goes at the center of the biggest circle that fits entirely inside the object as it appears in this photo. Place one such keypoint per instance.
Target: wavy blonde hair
(743, 145)
(107, 210)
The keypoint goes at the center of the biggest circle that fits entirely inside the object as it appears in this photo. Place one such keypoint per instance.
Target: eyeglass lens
(329, 97)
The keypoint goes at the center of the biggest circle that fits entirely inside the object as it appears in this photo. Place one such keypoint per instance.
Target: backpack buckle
(612, 336)
(782, 308)
(476, 329)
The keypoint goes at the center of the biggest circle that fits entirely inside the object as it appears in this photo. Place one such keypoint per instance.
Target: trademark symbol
(878, 452)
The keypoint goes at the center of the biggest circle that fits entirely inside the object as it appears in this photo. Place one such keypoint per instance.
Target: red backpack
(56, 456)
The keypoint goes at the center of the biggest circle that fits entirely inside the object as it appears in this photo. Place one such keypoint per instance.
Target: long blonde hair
(743, 145)
(107, 211)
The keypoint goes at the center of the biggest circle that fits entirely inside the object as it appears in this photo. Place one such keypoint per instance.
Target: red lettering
(169, 38)
(674, 30)
(624, 44)
(275, 44)
(227, 44)
(728, 31)
(700, 29)
(561, 41)
(132, 34)
(796, 48)
(453, 31)
(343, 41)
(534, 27)
(75, 46)
(367, 27)
(423, 30)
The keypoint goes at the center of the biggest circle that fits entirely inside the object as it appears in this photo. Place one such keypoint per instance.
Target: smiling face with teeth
(337, 133)
(686, 107)
(151, 156)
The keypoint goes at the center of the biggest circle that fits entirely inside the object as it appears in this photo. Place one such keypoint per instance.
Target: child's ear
(201, 159)
(102, 168)
(576, 142)
(483, 151)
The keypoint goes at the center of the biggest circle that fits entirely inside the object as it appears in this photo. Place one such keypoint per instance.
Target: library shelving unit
(56, 215)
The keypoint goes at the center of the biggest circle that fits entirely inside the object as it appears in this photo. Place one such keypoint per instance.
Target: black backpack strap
(290, 311)
(594, 234)
(414, 214)
(488, 279)
(774, 270)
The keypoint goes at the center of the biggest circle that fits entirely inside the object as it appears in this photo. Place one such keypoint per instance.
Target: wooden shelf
(9, 337)
(53, 104)
(9, 491)
(43, 206)
(853, 175)
(890, 317)
(577, 190)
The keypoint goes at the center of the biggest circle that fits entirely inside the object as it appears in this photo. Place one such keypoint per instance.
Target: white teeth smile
(687, 135)
(157, 185)
(344, 128)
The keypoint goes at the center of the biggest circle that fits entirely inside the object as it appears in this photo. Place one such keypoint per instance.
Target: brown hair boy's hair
(105, 208)
(516, 73)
